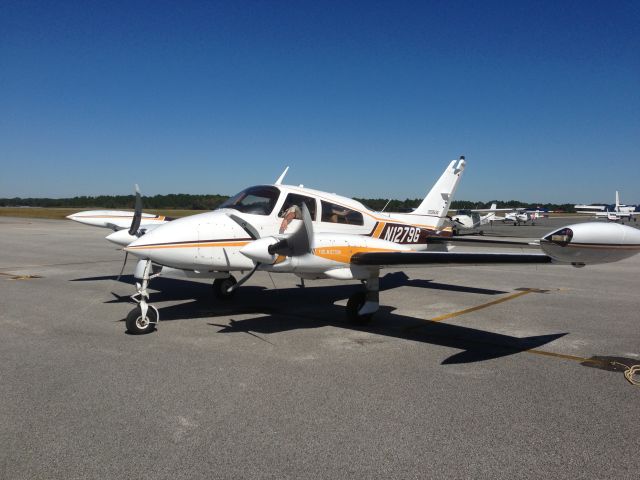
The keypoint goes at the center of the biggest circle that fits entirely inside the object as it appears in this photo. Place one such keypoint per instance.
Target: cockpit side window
(295, 200)
(254, 200)
(338, 214)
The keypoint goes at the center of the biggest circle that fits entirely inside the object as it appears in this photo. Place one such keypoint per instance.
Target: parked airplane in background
(521, 216)
(614, 213)
(472, 219)
(314, 234)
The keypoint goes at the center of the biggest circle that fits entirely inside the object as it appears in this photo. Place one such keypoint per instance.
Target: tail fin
(617, 202)
(438, 200)
(491, 216)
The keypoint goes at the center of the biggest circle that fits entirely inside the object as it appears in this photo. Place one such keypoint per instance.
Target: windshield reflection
(254, 200)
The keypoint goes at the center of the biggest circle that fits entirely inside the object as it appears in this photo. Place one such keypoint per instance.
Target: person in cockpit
(292, 213)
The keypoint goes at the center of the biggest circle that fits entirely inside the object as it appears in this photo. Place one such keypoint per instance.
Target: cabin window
(338, 214)
(294, 199)
(254, 200)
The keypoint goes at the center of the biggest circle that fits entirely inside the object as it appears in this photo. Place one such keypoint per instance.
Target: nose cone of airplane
(192, 242)
(163, 245)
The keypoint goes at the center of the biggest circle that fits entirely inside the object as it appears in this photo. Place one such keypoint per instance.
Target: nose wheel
(144, 317)
(139, 323)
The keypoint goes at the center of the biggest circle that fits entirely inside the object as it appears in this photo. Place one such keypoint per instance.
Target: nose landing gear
(144, 317)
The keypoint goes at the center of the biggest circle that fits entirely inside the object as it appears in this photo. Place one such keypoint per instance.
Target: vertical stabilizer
(617, 202)
(438, 200)
(489, 217)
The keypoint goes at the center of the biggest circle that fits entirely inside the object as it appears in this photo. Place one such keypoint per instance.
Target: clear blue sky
(364, 98)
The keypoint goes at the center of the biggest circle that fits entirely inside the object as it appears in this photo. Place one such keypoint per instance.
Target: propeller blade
(246, 226)
(137, 216)
(299, 242)
(126, 256)
(244, 279)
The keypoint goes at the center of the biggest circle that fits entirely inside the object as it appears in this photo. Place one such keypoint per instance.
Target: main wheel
(221, 287)
(354, 304)
(137, 325)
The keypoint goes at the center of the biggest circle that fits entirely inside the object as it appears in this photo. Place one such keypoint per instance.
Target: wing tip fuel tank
(591, 243)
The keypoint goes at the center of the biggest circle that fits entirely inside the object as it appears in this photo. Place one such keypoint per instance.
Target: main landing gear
(222, 287)
(362, 305)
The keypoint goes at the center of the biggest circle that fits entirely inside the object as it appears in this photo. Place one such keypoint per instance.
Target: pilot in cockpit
(292, 213)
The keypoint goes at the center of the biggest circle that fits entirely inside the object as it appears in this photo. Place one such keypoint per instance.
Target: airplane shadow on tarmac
(285, 309)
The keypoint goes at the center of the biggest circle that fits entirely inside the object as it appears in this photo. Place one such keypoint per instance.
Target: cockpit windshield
(255, 200)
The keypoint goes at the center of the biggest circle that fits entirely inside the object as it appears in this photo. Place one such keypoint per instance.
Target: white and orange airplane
(314, 234)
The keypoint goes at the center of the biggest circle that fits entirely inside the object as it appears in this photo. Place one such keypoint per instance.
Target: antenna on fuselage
(281, 177)
(385, 206)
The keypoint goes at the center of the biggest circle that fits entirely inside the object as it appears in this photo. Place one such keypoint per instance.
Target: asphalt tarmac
(495, 372)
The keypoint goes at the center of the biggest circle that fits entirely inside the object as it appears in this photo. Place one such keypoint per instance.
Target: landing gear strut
(362, 305)
(144, 318)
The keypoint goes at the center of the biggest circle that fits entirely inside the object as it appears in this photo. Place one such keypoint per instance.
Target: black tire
(137, 326)
(355, 303)
(221, 285)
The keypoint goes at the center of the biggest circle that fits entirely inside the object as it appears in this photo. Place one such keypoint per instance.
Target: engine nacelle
(259, 250)
(592, 242)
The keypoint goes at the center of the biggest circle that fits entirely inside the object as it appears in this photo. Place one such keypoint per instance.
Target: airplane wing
(594, 213)
(487, 210)
(610, 214)
(430, 258)
(477, 240)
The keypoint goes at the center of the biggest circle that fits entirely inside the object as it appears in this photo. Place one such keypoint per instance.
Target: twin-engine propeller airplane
(313, 234)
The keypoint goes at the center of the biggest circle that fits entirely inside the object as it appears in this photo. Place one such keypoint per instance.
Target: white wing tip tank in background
(591, 243)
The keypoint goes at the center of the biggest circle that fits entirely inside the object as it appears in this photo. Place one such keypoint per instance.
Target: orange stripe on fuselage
(118, 216)
(189, 245)
(378, 231)
(344, 254)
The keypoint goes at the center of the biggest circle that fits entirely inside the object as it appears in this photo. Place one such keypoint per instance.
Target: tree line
(184, 201)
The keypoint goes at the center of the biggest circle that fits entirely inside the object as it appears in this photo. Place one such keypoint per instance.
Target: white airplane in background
(618, 211)
(520, 216)
(314, 234)
(471, 219)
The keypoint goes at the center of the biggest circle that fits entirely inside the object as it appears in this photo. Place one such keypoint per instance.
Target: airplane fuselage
(212, 241)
